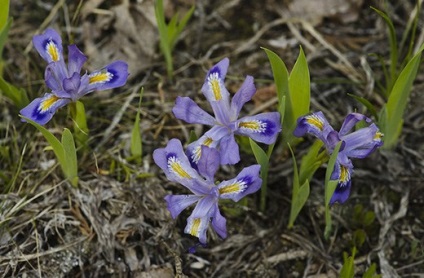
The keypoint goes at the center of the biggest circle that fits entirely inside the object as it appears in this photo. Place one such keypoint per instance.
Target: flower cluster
(196, 168)
(200, 182)
(65, 81)
(263, 127)
(358, 144)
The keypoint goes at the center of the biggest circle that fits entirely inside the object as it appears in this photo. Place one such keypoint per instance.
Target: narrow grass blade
(179, 27)
(367, 104)
(164, 40)
(70, 165)
(169, 33)
(5, 23)
(330, 187)
(4, 13)
(300, 193)
(136, 143)
(4, 32)
(393, 47)
(410, 32)
(394, 109)
(263, 160)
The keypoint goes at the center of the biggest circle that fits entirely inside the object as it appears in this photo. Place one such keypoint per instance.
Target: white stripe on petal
(174, 166)
(253, 126)
(53, 51)
(215, 85)
(315, 121)
(234, 188)
(100, 77)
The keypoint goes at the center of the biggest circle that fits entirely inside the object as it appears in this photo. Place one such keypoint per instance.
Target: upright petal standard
(263, 127)
(65, 81)
(358, 144)
(206, 193)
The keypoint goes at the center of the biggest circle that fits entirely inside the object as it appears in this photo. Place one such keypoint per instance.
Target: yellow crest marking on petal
(47, 103)
(99, 77)
(344, 174)
(194, 230)
(208, 142)
(198, 151)
(53, 51)
(378, 135)
(236, 187)
(213, 80)
(175, 166)
(315, 121)
(256, 126)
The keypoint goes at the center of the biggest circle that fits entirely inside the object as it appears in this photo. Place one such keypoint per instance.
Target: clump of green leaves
(294, 88)
(16, 95)
(362, 219)
(399, 78)
(293, 94)
(169, 32)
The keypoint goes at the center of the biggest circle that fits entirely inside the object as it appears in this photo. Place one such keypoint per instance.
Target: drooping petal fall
(315, 124)
(216, 92)
(41, 110)
(210, 139)
(112, 76)
(197, 227)
(49, 45)
(263, 127)
(219, 223)
(177, 203)
(247, 181)
(343, 174)
(174, 163)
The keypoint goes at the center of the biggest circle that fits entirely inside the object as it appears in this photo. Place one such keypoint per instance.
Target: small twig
(287, 256)
(178, 262)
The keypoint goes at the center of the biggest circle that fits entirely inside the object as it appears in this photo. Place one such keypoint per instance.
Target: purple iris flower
(262, 128)
(206, 194)
(358, 144)
(65, 81)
